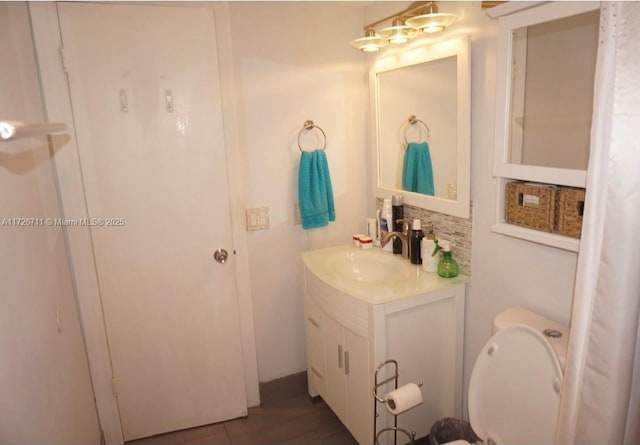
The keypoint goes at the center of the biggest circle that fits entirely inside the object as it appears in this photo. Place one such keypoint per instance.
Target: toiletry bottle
(415, 239)
(447, 267)
(430, 257)
(397, 212)
(372, 230)
(386, 223)
(376, 240)
(428, 231)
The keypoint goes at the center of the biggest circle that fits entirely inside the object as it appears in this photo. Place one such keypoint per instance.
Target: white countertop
(372, 275)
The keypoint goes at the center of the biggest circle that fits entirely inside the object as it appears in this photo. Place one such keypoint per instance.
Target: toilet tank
(556, 333)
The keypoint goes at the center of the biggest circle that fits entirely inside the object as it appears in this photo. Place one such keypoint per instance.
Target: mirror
(420, 104)
(554, 66)
(546, 70)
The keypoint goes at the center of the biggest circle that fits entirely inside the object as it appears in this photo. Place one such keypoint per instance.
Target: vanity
(362, 307)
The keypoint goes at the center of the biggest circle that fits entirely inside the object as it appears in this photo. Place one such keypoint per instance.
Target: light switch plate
(257, 218)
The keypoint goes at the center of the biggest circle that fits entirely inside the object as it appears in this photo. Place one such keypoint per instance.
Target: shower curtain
(600, 401)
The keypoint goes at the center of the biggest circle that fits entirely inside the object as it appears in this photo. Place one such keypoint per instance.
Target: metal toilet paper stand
(410, 435)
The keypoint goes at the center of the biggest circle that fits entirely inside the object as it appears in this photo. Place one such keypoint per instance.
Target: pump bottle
(415, 240)
(447, 267)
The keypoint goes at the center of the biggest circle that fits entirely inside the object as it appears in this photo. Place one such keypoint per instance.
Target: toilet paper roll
(404, 398)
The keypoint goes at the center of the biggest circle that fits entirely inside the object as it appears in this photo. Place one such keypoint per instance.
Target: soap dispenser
(415, 240)
(447, 267)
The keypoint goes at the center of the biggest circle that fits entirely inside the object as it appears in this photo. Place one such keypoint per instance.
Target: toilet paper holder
(394, 378)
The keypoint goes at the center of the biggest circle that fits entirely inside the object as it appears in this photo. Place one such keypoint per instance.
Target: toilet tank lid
(521, 316)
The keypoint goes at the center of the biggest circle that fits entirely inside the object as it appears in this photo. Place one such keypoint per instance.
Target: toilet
(514, 392)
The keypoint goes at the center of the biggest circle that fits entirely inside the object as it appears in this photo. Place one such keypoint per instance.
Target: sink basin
(372, 275)
(367, 267)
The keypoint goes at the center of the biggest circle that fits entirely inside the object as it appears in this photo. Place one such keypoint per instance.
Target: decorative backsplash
(452, 228)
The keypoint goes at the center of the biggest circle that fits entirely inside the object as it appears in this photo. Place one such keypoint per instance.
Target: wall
(293, 62)
(44, 379)
(558, 91)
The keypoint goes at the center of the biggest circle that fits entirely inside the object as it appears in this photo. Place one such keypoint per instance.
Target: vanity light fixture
(431, 21)
(405, 25)
(398, 32)
(371, 41)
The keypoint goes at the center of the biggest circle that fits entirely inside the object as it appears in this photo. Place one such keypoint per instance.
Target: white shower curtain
(600, 401)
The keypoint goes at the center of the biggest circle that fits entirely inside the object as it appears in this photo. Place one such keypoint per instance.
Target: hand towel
(417, 172)
(315, 193)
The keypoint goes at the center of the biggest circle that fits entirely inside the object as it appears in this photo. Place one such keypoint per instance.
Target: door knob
(221, 256)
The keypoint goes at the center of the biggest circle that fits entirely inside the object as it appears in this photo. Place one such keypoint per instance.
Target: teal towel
(417, 172)
(315, 194)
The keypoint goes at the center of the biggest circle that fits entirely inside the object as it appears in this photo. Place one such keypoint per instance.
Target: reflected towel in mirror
(417, 172)
(315, 193)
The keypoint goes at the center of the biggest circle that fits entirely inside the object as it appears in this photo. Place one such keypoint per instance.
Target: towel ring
(309, 125)
(412, 121)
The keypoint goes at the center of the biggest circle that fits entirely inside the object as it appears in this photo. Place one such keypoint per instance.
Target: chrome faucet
(402, 237)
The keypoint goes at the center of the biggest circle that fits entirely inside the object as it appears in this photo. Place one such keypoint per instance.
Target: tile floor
(287, 416)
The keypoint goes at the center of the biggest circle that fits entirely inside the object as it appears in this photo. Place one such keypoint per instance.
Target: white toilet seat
(514, 392)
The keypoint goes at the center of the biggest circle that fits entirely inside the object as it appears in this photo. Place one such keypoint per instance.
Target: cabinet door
(316, 369)
(359, 397)
(335, 363)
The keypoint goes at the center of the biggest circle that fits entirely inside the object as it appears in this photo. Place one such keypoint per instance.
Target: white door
(146, 101)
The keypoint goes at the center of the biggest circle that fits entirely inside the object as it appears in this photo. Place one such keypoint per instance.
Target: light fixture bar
(422, 16)
(407, 13)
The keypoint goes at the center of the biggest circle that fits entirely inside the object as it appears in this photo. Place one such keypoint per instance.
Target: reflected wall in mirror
(428, 92)
(430, 82)
(544, 97)
(552, 94)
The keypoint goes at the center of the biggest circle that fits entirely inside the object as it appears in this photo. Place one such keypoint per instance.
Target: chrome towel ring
(413, 121)
(309, 125)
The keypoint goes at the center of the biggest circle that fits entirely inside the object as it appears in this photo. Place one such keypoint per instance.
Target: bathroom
(284, 63)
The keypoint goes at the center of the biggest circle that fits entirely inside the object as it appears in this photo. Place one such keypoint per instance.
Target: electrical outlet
(257, 218)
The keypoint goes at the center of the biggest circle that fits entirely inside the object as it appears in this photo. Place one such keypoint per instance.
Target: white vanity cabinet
(338, 356)
(349, 336)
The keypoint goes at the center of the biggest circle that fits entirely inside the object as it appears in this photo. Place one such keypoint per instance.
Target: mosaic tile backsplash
(452, 228)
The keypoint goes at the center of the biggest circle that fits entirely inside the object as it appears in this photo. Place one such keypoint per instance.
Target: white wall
(44, 378)
(293, 62)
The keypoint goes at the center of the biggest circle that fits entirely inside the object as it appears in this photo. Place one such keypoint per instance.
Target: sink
(372, 275)
(368, 267)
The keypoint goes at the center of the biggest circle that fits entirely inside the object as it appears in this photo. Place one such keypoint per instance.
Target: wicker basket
(570, 208)
(531, 205)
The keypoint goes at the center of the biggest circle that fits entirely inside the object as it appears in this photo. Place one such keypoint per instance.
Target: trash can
(450, 429)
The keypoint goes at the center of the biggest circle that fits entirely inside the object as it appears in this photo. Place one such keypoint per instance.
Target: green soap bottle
(447, 267)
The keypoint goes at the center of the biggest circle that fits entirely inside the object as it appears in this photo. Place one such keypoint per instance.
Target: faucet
(405, 225)
(402, 237)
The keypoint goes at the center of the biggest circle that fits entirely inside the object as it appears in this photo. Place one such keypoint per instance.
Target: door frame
(57, 107)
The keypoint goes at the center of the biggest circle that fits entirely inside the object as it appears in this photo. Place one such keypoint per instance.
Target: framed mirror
(420, 110)
(546, 70)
